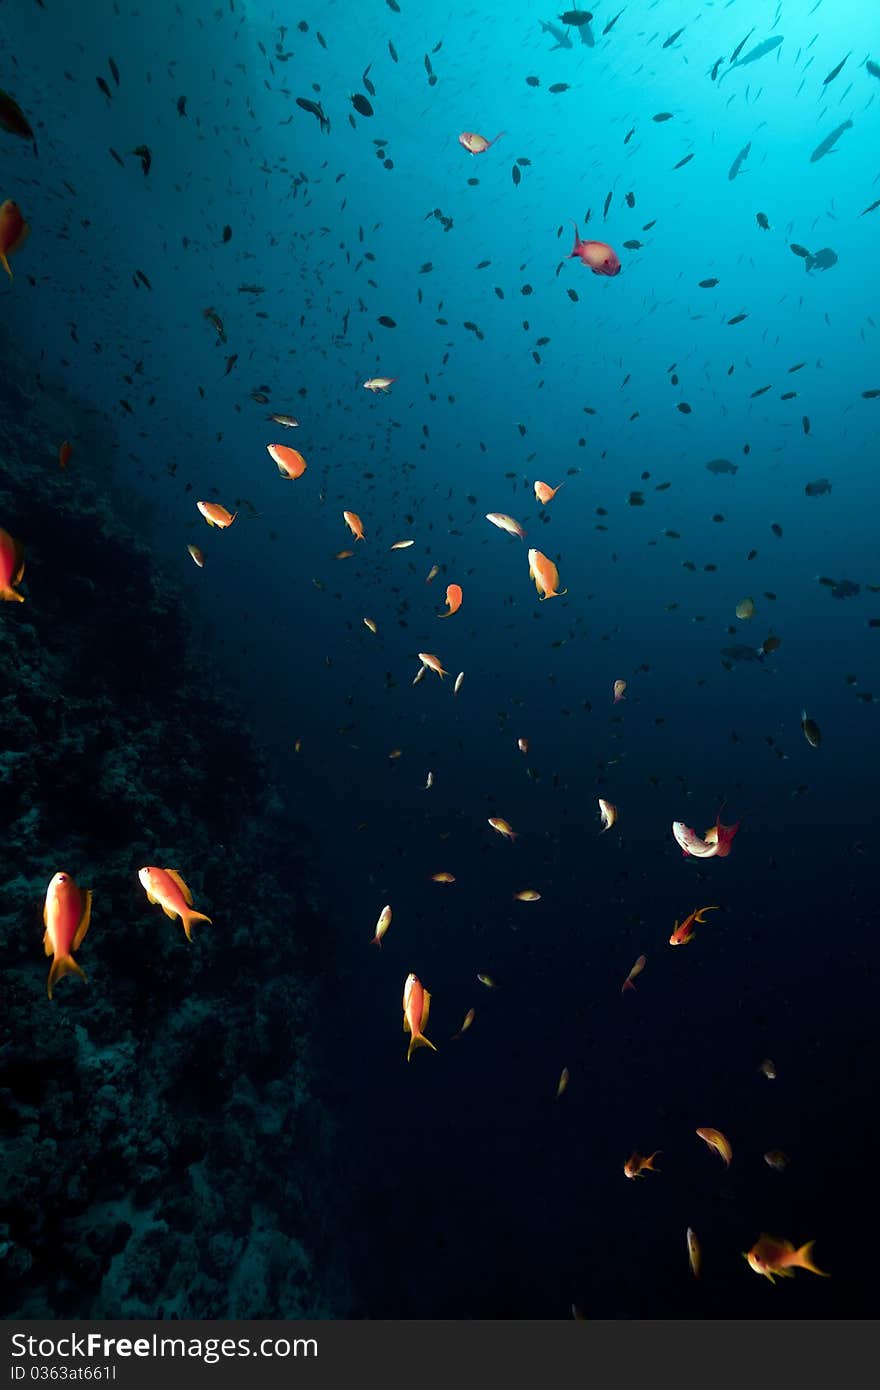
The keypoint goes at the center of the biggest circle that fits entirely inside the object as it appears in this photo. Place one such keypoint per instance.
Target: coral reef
(164, 1154)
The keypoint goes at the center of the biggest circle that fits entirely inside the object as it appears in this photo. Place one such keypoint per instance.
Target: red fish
(597, 255)
(14, 232)
(66, 914)
(64, 454)
(683, 932)
(11, 567)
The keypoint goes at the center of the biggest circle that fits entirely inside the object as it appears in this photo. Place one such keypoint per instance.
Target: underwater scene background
(240, 211)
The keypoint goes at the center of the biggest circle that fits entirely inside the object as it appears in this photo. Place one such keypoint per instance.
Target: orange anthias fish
(167, 888)
(11, 567)
(64, 454)
(506, 523)
(416, 1004)
(779, 1258)
(719, 1142)
(545, 493)
(66, 915)
(717, 841)
(14, 232)
(354, 524)
(636, 1165)
(453, 600)
(476, 144)
(215, 515)
(290, 462)
(684, 932)
(545, 575)
(379, 383)
(503, 828)
(433, 663)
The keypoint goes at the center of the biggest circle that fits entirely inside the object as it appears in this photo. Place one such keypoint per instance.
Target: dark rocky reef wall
(166, 1151)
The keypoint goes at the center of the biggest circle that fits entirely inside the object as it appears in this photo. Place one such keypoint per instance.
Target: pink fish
(716, 842)
(597, 255)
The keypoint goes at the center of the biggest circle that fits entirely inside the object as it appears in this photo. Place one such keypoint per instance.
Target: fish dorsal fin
(174, 874)
(426, 1007)
(84, 919)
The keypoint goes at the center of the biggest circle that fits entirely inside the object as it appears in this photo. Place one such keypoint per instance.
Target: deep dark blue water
(740, 329)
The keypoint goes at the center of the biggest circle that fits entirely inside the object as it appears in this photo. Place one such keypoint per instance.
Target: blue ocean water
(465, 1188)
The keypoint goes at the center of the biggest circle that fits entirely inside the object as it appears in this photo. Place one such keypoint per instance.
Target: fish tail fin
(649, 1162)
(627, 984)
(5, 265)
(61, 966)
(418, 1040)
(188, 920)
(498, 136)
(7, 592)
(805, 1260)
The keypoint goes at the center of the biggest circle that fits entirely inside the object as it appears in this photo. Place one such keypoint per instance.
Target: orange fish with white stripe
(416, 1005)
(545, 575)
(67, 912)
(167, 888)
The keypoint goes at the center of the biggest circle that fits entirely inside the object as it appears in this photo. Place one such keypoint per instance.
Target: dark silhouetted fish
(753, 55)
(738, 162)
(827, 145)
